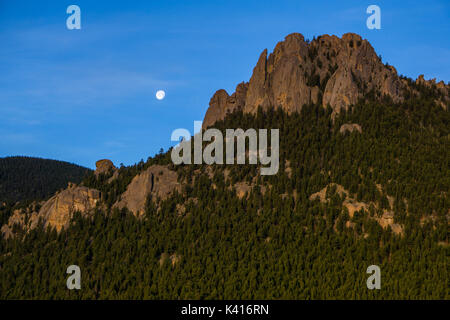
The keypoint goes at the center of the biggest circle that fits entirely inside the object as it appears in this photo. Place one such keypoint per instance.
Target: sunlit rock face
(328, 70)
(104, 166)
(57, 211)
(157, 181)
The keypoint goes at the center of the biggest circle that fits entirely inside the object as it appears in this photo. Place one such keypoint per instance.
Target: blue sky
(83, 95)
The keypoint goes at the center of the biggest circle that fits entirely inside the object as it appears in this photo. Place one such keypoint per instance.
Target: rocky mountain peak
(328, 70)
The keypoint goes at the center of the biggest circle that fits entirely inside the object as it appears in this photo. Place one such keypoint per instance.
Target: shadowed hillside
(26, 178)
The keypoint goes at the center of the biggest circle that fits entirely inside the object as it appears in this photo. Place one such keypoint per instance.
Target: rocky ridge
(328, 70)
(157, 182)
(385, 220)
(57, 211)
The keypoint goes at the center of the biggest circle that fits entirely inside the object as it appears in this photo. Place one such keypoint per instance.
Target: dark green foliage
(272, 244)
(29, 179)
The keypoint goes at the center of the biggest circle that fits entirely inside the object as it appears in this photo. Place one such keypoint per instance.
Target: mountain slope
(365, 184)
(26, 178)
(329, 71)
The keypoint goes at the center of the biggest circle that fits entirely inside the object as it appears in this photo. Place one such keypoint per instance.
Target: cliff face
(104, 166)
(157, 181)
(57, 211)
(329, 70)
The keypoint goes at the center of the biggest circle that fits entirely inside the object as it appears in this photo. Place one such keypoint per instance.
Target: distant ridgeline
(363, 180)
(29, 179)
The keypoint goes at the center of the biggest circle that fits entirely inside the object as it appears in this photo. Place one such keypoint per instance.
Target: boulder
(104, 166)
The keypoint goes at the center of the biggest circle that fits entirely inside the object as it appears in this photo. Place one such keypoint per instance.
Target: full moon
(160, 94)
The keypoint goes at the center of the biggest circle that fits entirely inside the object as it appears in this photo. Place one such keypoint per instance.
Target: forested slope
(206, 242)
(27, 178)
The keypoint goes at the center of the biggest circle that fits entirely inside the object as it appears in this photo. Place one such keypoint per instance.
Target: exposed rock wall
(352, 205)
(328, 70)
(221, 104)
(157, 181)
(57, 211)
(350, 127)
